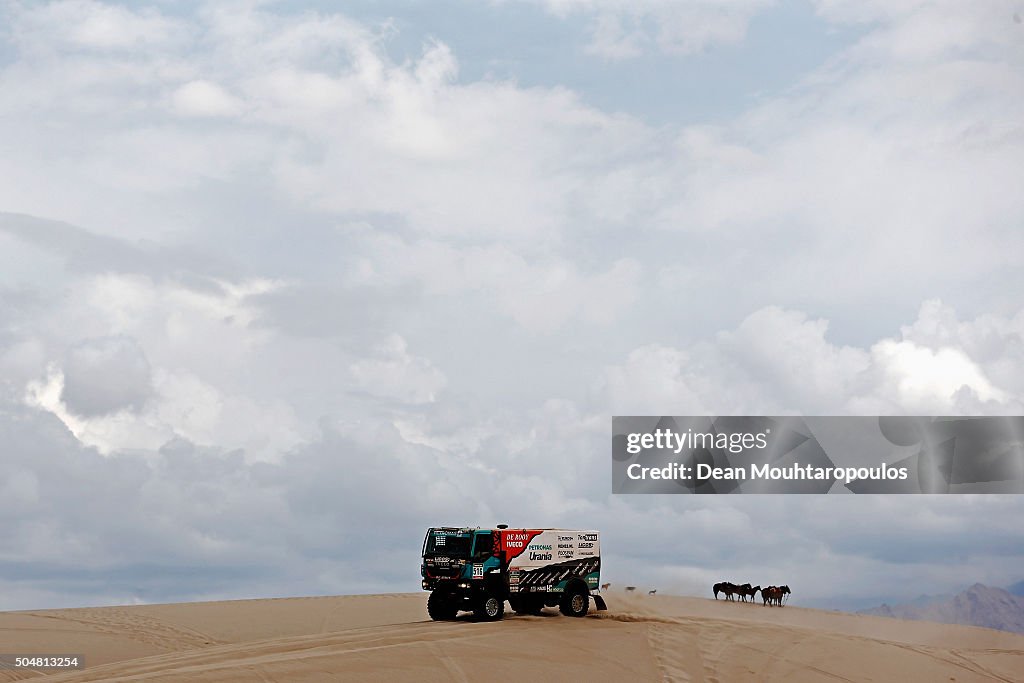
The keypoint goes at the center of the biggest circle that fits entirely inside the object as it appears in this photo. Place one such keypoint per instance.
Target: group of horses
(772, 595)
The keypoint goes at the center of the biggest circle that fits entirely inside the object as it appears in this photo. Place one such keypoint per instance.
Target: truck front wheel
(440, 606)
(575, 603)
(489, 607)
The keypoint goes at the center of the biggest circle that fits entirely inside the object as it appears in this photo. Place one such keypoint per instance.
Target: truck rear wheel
(489, 607)
(440, 606)
(575, 603)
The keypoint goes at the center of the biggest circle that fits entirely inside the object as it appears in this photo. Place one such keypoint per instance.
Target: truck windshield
(447, 543)
(484, 545)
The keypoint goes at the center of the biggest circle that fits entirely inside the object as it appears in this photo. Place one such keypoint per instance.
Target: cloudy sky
(283, 285)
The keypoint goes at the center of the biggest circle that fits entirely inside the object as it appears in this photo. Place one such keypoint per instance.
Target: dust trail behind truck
(474, 569)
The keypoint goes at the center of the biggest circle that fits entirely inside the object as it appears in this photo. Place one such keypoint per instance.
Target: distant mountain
(977, 606)
(1017, 588)
(928, 600)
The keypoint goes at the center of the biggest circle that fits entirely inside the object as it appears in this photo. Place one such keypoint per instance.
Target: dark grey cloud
(185, 521)
(105, 375)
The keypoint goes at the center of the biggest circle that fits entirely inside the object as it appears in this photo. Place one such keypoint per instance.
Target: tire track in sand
(254, 654)
(130, 624)
(458, 675)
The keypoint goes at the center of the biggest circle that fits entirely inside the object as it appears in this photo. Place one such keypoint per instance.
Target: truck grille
(442, 568)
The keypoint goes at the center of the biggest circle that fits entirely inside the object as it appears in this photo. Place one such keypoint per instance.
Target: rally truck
(477, 570)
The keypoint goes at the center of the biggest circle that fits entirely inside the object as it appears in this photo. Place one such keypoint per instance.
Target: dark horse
(747, 592)
(773, 595)
(724, 587)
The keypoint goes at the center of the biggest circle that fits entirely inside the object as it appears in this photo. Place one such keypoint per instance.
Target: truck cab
(455, 554)
(463, 571)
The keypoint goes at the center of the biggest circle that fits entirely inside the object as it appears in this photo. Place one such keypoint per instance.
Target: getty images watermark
(760, 454)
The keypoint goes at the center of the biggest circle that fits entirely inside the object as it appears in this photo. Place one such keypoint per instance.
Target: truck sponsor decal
(513, 542)
(558, 573)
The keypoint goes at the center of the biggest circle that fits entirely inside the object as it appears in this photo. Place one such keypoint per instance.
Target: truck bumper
(463, 592)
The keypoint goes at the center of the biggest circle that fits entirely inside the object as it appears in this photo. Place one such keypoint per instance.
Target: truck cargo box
(546, 559)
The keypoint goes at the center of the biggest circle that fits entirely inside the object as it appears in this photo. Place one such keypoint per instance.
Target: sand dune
(388, 638)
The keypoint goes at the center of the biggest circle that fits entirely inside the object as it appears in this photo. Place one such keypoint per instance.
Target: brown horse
(749, 592)
(773, 595)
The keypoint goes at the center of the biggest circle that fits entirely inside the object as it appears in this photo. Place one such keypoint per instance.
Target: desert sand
(389, 638)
